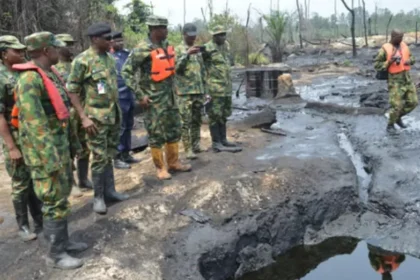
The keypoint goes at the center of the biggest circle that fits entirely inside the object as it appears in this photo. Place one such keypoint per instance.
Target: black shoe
(35, 208)
(223, 137)
(74, 246)
(391, 129)
(99, 188)
(401, 124)
(21, 211)
(119, 163)
(55, 232)
(110, 193)
(127, 158)
(82, 174)
(217, 146)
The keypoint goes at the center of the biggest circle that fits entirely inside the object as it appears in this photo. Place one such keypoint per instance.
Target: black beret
(117, 35)
(99, 29)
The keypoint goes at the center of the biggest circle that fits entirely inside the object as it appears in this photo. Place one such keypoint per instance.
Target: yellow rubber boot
(162, 172)
(172, 156)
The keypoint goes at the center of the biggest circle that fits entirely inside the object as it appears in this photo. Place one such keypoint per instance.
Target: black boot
(55, 232)
(21, 211)
(82, 174)
(400, 123)
(119, 163)
(35, 207)
(110, 193)
(74, 246)
(223, 136)
(98, 188)
(127, 158)
(391, 129)
(216, 141)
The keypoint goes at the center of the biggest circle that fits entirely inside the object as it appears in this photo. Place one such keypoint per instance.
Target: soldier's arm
(380, 62)
(203, 76)
(4, 128)
(34, 122)
(181, 60)
(132, 66)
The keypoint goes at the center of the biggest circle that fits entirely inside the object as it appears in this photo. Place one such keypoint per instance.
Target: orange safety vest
(403, 52)
(163, 63)
(56, 101)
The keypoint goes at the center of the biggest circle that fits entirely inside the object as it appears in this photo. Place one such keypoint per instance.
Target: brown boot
(162, 172)
(172, 157)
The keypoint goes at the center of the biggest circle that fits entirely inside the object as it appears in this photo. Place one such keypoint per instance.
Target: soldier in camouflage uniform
(64, 68)
(47, 144)
(219, 85)
(12, 52)
(402, 91)
(190, 82)
(162, 119)
(93, 76)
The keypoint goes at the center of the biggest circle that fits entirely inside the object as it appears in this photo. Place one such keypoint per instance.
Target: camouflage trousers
(163, 124)
(54, 191)
(104, 145)
(220, 108)
(402, 98)
(76, 125)
(190, 110)
(19, 173)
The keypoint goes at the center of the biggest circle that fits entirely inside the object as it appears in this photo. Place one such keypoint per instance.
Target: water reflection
(339, 258)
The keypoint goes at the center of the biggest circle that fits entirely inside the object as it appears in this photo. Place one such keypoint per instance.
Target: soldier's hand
(193, 50)
(15, 155)
(90, 126)
(145, 102)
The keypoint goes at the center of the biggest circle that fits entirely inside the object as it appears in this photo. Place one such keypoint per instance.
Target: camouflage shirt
(64, 69)
(381, 64)
(136, 73)
(45, 140)
(94, 78)
(190, 72)
(218, 61)
(7, 83)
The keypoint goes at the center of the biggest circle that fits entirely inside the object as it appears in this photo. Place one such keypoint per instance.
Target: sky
(174, 10)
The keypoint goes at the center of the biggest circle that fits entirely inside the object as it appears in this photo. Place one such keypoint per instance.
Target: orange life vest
(390, 260)
(163, 63)
(403, 52)
(57, 102)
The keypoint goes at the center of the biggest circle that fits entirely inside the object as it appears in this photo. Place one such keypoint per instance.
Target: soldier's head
(43, 47)
(396, 37)
(158, 28)
(11, 50)
(190, 34)
(219, 34)
(67, 52)
(100, 36)
(117, 41)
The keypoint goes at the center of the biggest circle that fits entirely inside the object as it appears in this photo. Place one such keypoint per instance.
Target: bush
(258, 58)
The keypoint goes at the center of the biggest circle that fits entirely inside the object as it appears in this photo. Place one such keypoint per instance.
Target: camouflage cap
(156, 21)
(218, 29)
(41, 40)
(11, 42)
(66, 38)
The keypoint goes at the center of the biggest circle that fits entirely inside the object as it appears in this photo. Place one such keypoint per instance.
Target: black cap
(99, 29)
(190, 29)
(116, 35)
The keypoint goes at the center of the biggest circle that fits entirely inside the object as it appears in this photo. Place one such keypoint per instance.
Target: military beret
(190, 29)
(10, 42)
(156, 21)
(41, 40)
(99, 29)
(218, 29)
(116, 35)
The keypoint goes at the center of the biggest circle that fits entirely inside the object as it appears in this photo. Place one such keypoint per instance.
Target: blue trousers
(127, 123)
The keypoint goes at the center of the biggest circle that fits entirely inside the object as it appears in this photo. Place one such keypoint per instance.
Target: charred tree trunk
(364, 23)
(300, 23)
(352, 28)
(387, 27)
(370, 26)
(417, 30)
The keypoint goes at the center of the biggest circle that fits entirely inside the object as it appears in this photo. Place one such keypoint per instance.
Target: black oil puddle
(339, 258)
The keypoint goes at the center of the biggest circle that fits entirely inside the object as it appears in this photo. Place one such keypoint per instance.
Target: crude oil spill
(340, 258)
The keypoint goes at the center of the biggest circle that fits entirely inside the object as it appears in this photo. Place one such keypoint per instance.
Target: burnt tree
(364, 23)
(352, 27)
